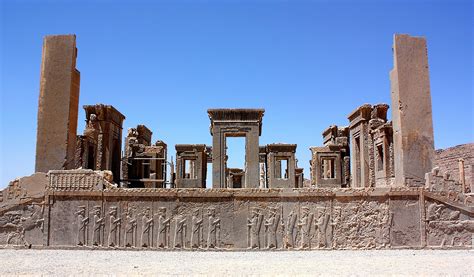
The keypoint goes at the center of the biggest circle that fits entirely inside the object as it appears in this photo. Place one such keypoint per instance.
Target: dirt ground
(376, 262)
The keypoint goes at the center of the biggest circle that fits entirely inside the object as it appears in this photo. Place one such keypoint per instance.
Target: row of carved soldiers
(163, 238)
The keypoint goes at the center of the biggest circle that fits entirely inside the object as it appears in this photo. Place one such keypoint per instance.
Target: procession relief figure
(130, 229)
(271, 227)
(180, 232)
(98, 227)
(163, 228)
(304, 226)
(114, 228)
(254, 224)
(386, 225)
(82, 222)
(353, 226)
(214, 229)
(196, 229)
(290, 230)
(146, 238)
(333, 237)
(320, 225)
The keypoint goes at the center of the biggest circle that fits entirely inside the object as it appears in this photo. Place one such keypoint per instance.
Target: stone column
(252, 158)
(58, 104)
(218, 158)
(411, 110)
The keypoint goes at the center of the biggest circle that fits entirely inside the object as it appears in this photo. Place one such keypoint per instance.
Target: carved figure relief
(254, 225)
(82, 222)
(98, 227)
(146, 239)
(385, 218)
(180, 232)
(14, 224)
(196, 229)
(214, 229)
(130, 229)
(290, 230)
(163, 228)
(334, 228)
(445, 228)
(321, 223)
(304, 228)
(271, 226)
(114, 228)
(14, 228)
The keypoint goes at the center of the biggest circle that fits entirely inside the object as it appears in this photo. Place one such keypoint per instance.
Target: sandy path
(392, 262)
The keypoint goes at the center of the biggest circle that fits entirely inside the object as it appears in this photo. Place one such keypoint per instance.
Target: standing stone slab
(58, 104)
(411, 112)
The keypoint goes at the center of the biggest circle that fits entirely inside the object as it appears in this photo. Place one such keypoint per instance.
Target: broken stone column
(58, 104)
(411, 111)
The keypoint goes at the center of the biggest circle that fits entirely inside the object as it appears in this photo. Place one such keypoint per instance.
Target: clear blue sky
(308, 63)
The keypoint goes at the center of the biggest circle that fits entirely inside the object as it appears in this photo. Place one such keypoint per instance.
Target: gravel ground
(380, 262)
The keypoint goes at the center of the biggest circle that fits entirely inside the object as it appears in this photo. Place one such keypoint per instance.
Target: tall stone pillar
(218, 157)
(58, 104)
(411, 111)
(252, 158)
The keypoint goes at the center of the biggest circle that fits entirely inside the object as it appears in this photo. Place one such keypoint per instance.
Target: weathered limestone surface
(23, 190)
(448, 160)
(235, 123)
(82, 209)
(58, 104)
(195, 175)
(411, 110)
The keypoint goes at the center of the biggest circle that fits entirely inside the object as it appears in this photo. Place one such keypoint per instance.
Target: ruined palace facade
(373, 183)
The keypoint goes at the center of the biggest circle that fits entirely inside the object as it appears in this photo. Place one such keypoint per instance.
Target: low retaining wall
(255, 219)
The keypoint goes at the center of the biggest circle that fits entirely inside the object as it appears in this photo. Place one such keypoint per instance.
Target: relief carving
(114, 228)
(446, 228)
(163, 229)
(304, 228)
(271, 226)
(146, 239)
(320, 226)
(130, 228)
(334, 236)
(289, 240)
(83, 223)
(196, 229)
(254, 225)
(214, 230)
(98, 227)
(180, 232)
(15, 224)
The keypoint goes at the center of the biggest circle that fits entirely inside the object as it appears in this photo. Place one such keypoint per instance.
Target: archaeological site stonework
(373, 184)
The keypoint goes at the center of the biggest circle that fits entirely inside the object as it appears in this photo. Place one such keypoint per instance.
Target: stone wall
(447, 161)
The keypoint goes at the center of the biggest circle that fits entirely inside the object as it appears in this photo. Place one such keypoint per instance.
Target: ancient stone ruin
(373, 184)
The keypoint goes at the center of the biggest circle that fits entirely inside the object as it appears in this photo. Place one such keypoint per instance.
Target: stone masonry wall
(447, 161)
